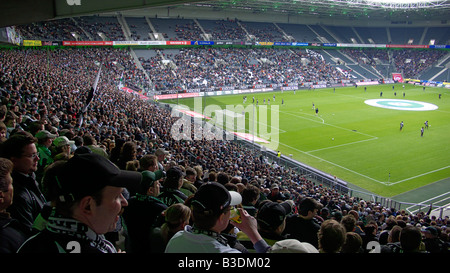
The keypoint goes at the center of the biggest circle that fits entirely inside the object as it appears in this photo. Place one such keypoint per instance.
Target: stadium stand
(64, 97)
(364, 67)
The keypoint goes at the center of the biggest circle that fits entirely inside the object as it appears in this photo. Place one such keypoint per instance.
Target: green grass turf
(368, 143)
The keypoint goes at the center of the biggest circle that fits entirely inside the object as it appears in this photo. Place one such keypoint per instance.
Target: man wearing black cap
(89, 203)
(211, 206)
(271, 219)
(143, 211)
(433, 243)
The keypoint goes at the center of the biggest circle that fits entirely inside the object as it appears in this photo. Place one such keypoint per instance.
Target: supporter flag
(90, 95)
(121, 81)
(93, 90)
(397, 77)
(429, 211)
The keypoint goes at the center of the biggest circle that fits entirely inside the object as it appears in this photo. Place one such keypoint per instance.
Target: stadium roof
(28, 11)
(342, 9)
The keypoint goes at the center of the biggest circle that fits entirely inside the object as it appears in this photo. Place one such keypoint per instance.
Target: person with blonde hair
(176, 217)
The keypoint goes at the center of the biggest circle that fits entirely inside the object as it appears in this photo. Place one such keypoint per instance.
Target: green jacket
(45, 156)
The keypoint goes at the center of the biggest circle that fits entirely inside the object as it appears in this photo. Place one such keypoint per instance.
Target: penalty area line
(420, 175)
(386, 183)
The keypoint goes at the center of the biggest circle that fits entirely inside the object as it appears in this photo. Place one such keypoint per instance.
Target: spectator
(433, 244)
(199, 177)
(353, 243)
(325, 213)
(28, 198)
(177, 216)
(49, 184)
(393, 241)
(127, 153)
(35, 126)
(349, 223)
(90, 142)
(212, 177)
(191, 175)
(331, 236)
(250, 196)
(303, 226)
(143, 213)
(44, 142)
(271, 219)
(161, 156)
(10, 122)
(12, 234)
(149, 163)
(223, 178)
(389, 223)
(370, 234)
(89, 204)
(171, 193)
(62, 148)
(132, 165)
(3, 111)
(411, 240)
(2, 132)
(210, 207)
(115, 151)
(188, 187)
(358, 228)
(275, 195)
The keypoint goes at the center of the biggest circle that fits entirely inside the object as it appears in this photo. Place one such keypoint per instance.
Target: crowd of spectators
(55, 30)
(237, 67)
(368, 56)
(43, 94)
(64, 30)
(264, 33)
(246, 67)
(410, 62)
(227, 30)
(414, 62)
(216, 67)
(108, 26)
(187, 32)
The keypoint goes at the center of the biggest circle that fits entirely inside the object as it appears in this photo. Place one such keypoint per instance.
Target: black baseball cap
(174, 173)
(213, 196)
(272, 214)
(85, 174)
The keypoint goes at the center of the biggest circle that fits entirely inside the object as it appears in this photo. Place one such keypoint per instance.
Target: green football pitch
(357, 142)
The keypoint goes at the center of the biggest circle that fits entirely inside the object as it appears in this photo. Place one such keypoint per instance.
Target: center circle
(408, 105)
